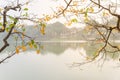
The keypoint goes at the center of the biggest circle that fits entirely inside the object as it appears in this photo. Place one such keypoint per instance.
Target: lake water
(55, 62)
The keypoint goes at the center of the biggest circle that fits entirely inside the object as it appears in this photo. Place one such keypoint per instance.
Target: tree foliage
(97, 15)
(13, 28)
(102, 16)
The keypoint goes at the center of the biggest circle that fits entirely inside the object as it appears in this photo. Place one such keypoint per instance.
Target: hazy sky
(40, 7)
(35, 6)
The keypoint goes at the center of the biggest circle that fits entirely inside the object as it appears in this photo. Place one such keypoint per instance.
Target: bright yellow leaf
(47, 18)
(24, 48)
(17, 51)
(42, 30)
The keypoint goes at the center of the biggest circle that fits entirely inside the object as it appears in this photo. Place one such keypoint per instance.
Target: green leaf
(11, 25)
(26, 9)
(1, 24)
(16, 38)
(43, 24)
(32, 41)
(12, 18)
(7, 29)
(26, 14)
(86, 13)
(23, 29)
(35, 46)
(15, 20)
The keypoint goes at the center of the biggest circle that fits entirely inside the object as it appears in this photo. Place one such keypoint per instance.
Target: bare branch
(99, 3)
(22, 34)
(108, 9)
(9, 56)
(118, 23)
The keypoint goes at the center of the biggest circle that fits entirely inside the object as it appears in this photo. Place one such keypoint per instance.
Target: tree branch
(7, 36)
(6, 9)
(108, 9)
(65, 8)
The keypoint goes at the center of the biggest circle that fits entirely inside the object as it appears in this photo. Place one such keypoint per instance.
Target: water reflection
(55, 61)
(88, 49)
(59, 48)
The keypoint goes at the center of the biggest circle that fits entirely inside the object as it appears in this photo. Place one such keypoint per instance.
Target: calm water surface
(55, 63)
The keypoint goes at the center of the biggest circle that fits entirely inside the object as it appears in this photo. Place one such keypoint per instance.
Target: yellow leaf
(47, 17)
(42, 30)
(18, 47)
(23, 36)
(69, 23)
(88, 58)
(24, 48)
(91, 9)
(75, 3)
(105, 13)
(17, 51)
(31, 46)
(88, 28)
(14, 30)
(119, 46)
(81, 10)
(38, 51)
(3, 27)
(86, 19)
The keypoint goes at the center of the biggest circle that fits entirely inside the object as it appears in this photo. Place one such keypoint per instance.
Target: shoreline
(75, 41)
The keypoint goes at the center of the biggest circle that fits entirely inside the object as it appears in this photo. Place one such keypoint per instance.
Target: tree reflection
(93, 54)
(89, 52)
